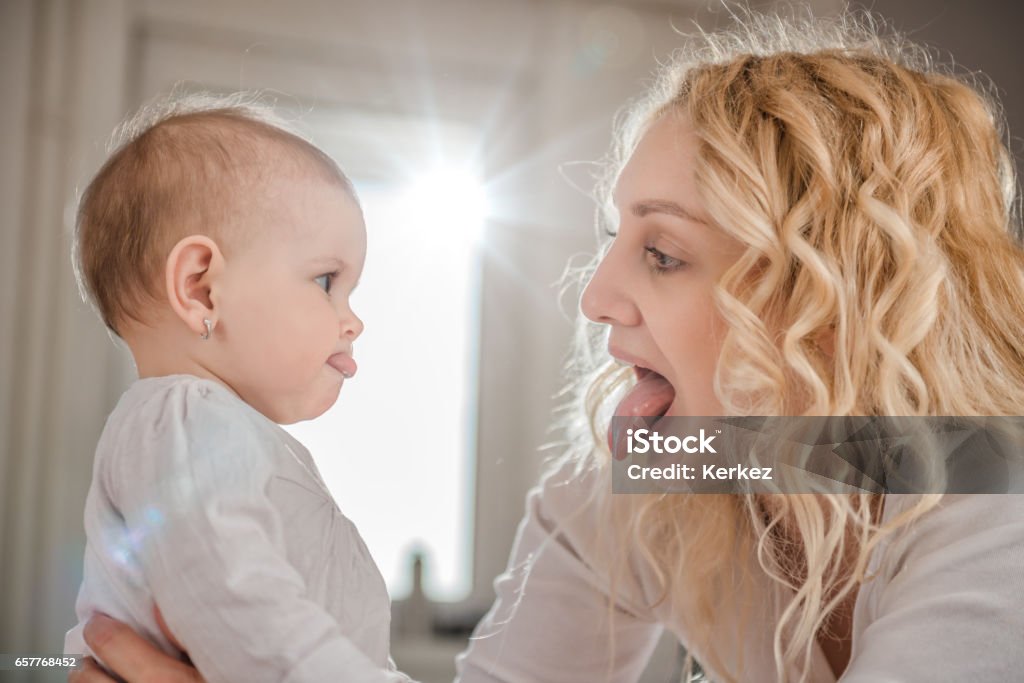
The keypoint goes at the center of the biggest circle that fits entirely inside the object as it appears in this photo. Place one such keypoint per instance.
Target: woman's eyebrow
(647, 206)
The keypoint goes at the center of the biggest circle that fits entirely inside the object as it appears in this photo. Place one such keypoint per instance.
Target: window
(397, 450)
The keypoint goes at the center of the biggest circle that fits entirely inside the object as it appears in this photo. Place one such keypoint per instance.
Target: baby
(223, 248)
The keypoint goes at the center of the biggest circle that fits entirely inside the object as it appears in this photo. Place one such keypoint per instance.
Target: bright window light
(448, 198)
(397, 449)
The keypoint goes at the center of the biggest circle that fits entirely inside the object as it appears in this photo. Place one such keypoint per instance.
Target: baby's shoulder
(184, 413)
(164, 428)
(185, 401)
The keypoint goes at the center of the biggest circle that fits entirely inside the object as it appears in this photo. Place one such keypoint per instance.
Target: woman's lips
(343, 363)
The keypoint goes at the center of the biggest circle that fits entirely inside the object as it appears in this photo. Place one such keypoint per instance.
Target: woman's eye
(325, 281)
(661, 262)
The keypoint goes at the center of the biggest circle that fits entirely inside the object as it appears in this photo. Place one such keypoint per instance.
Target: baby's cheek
(302, 338)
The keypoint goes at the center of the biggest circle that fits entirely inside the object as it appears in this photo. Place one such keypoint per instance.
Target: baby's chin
(319, 409)
(302, 411)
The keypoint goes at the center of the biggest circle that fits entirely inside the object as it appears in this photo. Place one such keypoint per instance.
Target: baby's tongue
(652, 396)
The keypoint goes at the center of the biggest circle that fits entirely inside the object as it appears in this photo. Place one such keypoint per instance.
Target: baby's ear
(192, 267)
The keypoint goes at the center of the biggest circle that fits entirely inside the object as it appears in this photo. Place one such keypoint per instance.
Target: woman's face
(653, 287)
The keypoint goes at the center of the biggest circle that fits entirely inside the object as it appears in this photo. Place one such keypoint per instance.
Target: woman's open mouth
(651, 396)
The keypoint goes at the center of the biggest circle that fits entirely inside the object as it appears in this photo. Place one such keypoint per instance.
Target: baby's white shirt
(203, 506)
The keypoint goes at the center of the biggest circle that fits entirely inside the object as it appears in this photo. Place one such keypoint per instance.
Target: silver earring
(209, 329)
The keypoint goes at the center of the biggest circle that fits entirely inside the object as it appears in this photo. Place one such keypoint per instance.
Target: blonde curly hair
(873, 191)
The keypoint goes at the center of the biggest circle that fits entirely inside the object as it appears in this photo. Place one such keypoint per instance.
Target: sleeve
(954, 609)
(212, 548)
(552, 620)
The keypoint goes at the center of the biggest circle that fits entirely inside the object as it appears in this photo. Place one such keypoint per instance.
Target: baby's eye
(325, 281)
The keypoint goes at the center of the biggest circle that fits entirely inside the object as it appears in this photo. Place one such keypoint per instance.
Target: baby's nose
(351, 326)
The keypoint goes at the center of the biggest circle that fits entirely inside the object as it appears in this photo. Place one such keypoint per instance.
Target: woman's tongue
(651, 396)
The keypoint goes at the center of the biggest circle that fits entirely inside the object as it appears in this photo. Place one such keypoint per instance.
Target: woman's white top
(203, 506)
(947, 603)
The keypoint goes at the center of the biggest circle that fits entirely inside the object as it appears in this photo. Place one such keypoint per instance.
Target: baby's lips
(343, 363)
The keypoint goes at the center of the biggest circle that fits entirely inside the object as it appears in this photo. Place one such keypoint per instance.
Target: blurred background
(469, 128)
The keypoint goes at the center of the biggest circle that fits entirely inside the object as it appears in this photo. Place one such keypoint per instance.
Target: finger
(163, 627)
(132, 657)
(89, 673)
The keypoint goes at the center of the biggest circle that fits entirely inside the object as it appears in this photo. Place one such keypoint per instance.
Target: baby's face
(285, 328)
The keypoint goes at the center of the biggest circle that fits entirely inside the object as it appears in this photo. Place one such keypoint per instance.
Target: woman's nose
(606, 298)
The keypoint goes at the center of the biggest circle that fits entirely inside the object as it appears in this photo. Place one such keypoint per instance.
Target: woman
(811, 221)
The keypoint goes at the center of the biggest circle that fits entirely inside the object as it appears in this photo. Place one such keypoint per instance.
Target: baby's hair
(175, 169)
